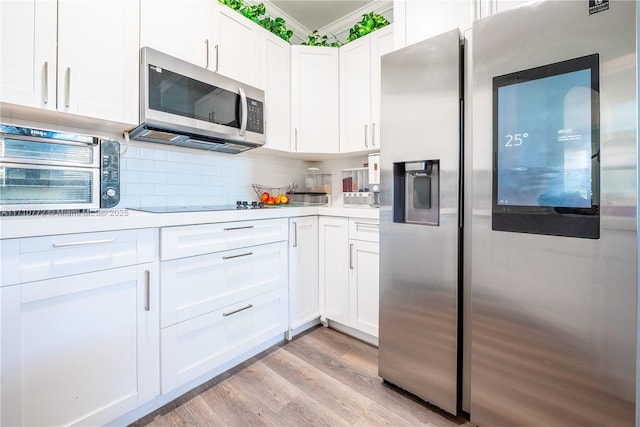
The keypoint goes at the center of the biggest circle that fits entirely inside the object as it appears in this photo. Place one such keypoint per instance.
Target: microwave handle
(244, 112)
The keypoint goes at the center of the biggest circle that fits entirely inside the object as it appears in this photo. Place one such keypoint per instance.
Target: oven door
(27, 188)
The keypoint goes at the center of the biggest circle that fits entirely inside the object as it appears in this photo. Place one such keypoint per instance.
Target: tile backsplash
(160, 175)
(168, 176)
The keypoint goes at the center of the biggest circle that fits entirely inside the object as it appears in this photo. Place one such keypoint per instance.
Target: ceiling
(316, 14)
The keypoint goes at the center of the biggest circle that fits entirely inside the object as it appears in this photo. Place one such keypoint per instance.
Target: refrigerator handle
(350, 256)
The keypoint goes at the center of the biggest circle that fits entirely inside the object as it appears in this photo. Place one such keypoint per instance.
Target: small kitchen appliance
(186, 105)
(44, 170)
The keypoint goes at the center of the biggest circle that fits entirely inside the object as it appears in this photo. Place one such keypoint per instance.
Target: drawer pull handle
(86, 242)
(238, 310)
(237, 256)
(147, 290)
(238, 228)
(367, 224)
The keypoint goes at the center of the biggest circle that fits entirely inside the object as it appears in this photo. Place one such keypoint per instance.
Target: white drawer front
(48, 257)
(193, 348)
(190, 240)
(197, 285)
(364, 229)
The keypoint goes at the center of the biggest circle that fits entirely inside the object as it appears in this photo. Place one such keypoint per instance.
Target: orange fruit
(264, 197)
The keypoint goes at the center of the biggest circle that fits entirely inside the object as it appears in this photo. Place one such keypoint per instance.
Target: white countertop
(122, 219)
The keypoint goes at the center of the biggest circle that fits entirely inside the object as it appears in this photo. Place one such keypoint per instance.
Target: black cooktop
(203, 208)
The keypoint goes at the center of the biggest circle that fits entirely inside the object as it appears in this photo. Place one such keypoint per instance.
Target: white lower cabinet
(219, 304)
(349, 282)
(79, 349)
(304, 304)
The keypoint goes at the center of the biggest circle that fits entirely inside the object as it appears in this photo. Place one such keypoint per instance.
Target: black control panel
(255, 117)
(109, 173)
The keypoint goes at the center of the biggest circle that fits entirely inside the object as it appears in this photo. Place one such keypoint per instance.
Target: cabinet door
(334, 268)
(355, 96)
(381, 43)
(303, 271)
(237, 46)
(98, 51)
(364, 286)
(314, 99)
(198, 346)
(28, 53)
(163, 24)
(276, 81)
(80, 349)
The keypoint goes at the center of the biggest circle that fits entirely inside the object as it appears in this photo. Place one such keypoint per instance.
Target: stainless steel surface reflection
(553, 334)
(418, 344)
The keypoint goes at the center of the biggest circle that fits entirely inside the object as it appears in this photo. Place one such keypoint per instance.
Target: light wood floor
(321, 378)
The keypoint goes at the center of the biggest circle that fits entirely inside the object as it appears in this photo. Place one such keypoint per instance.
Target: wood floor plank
(321, 378)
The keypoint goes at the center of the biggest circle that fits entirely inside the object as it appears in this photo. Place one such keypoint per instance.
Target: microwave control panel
(109, 173)
(255, 117)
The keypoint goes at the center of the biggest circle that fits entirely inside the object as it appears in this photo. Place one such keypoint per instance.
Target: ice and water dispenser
(416, 192)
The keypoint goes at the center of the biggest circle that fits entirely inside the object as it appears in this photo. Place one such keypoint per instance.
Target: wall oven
(43, 170)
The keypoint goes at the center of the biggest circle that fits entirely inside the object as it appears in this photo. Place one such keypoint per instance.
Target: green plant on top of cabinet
(314, 99)
(360, 90)
(73, 57)
(370, 22)
(257, 13)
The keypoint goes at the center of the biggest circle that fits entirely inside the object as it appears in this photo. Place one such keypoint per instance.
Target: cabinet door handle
(351, 256)
(244, 111)
(236, 256)
(238, 228)
(45, 97)
(217, 48)
(206, 44)
(367, 224)
(295, 234)
(373, 134)
(295, 133)
(366, 139)
(86, 242)
(248, 306)
(67, 89)
(147, 290)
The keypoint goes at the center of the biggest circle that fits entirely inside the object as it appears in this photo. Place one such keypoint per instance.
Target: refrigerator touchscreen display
(546, 148)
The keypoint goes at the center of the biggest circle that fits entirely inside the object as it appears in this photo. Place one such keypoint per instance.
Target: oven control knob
(111, 192)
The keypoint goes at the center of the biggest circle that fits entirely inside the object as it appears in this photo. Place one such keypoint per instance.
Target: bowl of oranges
(274, 195)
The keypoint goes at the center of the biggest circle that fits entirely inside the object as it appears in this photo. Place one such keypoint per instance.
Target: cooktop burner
(202, 208)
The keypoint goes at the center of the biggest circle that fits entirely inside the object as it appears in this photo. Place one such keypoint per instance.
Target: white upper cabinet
(314, 99)
(276, 81)
(96, 58)
(355, 95)
(237, 46)
(182, 29)
(27, 58)
(416, 20)
(360, 90)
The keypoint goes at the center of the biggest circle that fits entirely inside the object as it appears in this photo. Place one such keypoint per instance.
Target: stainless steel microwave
(44, 170)
(187, 105)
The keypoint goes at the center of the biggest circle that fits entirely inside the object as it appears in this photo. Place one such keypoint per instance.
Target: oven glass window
(34, 186)
(16, 148)
(173, 93)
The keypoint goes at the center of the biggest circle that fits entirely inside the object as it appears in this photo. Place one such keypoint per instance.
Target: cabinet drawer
(198, 285)
(364, 229)
(190, 240)
(37, 258)
(191, 349)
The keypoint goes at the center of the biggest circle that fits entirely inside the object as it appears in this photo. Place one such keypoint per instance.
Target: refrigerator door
(553, 335)
(420, 121)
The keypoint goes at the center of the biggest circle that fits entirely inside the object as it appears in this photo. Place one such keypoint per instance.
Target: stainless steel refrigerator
(520, 305)
(420, 218)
